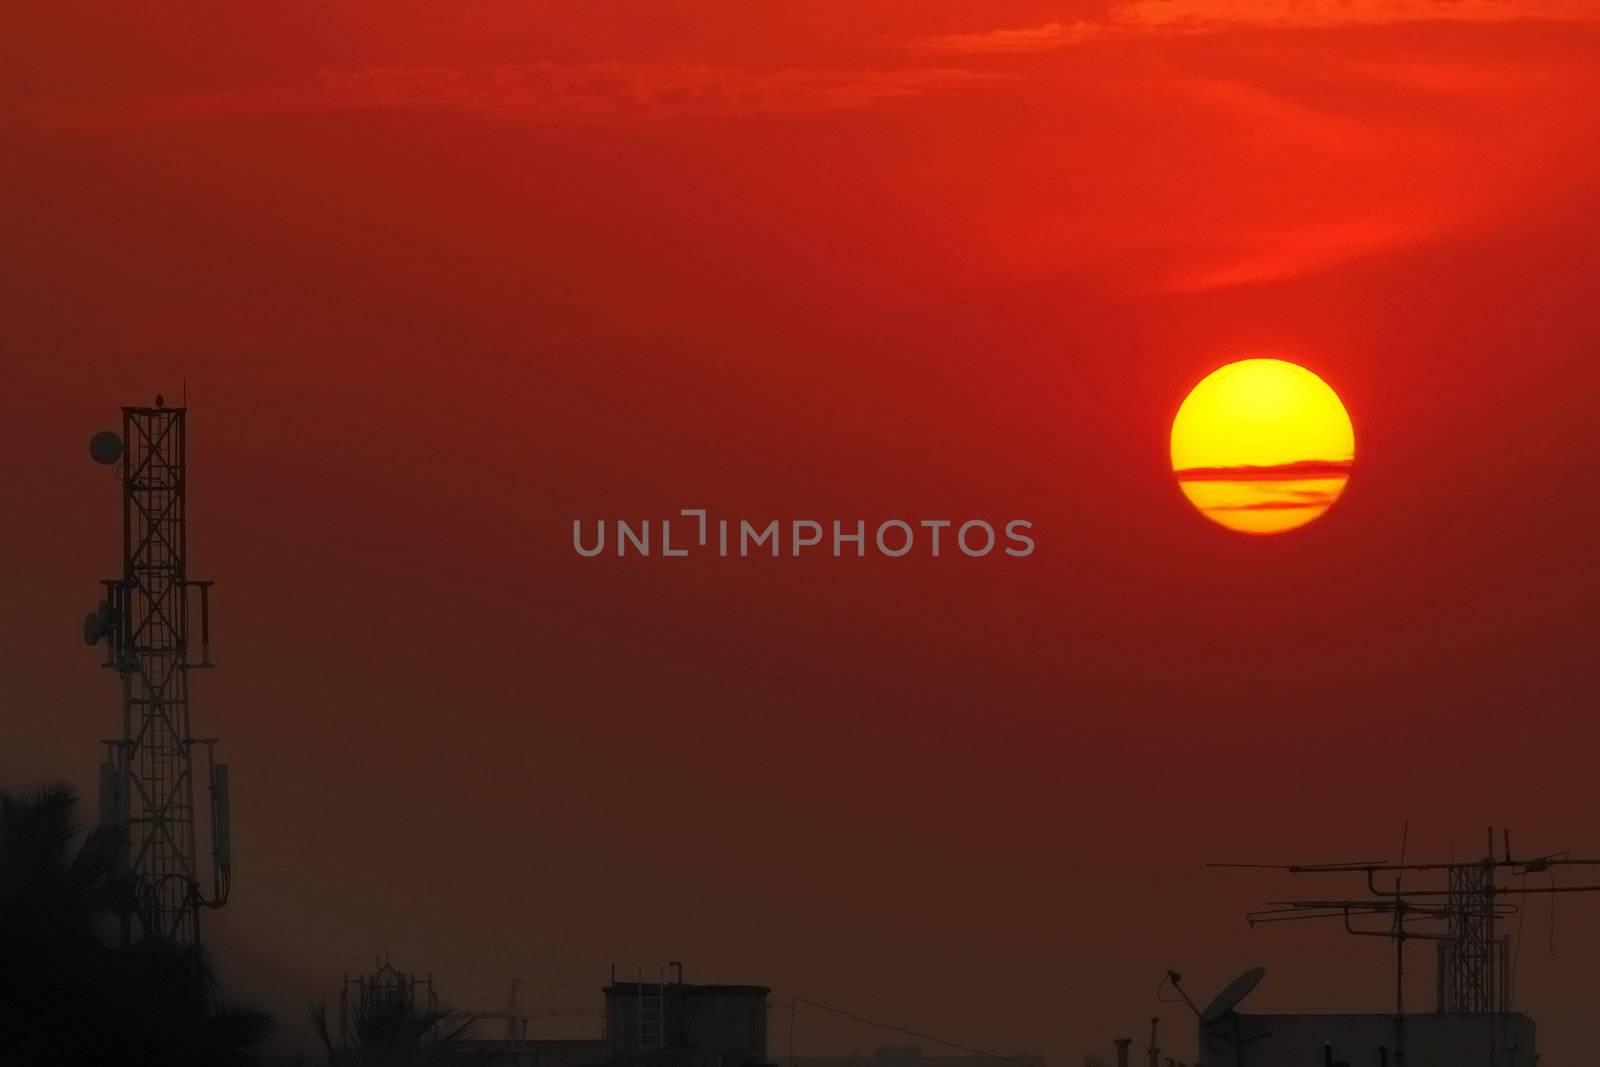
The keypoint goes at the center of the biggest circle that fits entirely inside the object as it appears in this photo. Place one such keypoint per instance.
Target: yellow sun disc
(1262, 446)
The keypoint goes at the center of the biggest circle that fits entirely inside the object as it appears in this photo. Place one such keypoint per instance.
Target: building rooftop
(686, 987)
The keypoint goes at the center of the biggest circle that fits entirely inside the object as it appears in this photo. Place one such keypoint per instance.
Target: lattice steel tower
(1474, 965)
(147, 782)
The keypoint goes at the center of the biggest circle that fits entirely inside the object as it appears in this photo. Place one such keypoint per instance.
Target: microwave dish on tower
(105, 448)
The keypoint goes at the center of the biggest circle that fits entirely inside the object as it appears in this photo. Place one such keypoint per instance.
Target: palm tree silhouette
(47, 887)
(68, 998)
(391, 1031)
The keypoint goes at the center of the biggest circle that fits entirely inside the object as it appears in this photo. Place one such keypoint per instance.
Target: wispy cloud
(549, 92)
(1298, 249)
(1391, 207)
(1215, 16)
(1045, 38)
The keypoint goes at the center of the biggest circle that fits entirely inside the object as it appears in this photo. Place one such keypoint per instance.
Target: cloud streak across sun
(1299, 470)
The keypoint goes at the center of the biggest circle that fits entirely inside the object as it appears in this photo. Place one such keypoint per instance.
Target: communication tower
(147, 620)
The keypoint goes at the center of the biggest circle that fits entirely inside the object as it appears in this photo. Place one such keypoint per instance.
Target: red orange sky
(442, 280)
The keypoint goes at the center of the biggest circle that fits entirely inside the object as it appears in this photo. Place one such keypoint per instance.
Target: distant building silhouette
(913, 1056)
(1487, 1039)
(652, 1024)
(676, 1024)
(656, 1024)
(542, 1051)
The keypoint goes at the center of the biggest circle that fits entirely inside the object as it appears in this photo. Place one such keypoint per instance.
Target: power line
(913, 1033)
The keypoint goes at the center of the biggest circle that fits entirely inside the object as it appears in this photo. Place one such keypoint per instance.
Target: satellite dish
(105, 448)
(1232, 994)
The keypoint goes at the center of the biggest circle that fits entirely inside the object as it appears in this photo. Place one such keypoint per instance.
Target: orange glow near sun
(1262, 446)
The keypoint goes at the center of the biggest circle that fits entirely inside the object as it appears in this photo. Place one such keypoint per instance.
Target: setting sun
(1262, 446)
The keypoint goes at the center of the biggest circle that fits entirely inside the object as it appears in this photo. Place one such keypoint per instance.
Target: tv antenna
(147, 621)
(1457, 907)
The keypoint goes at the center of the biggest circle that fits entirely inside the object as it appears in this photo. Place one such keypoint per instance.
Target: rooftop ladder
(652, 1013)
